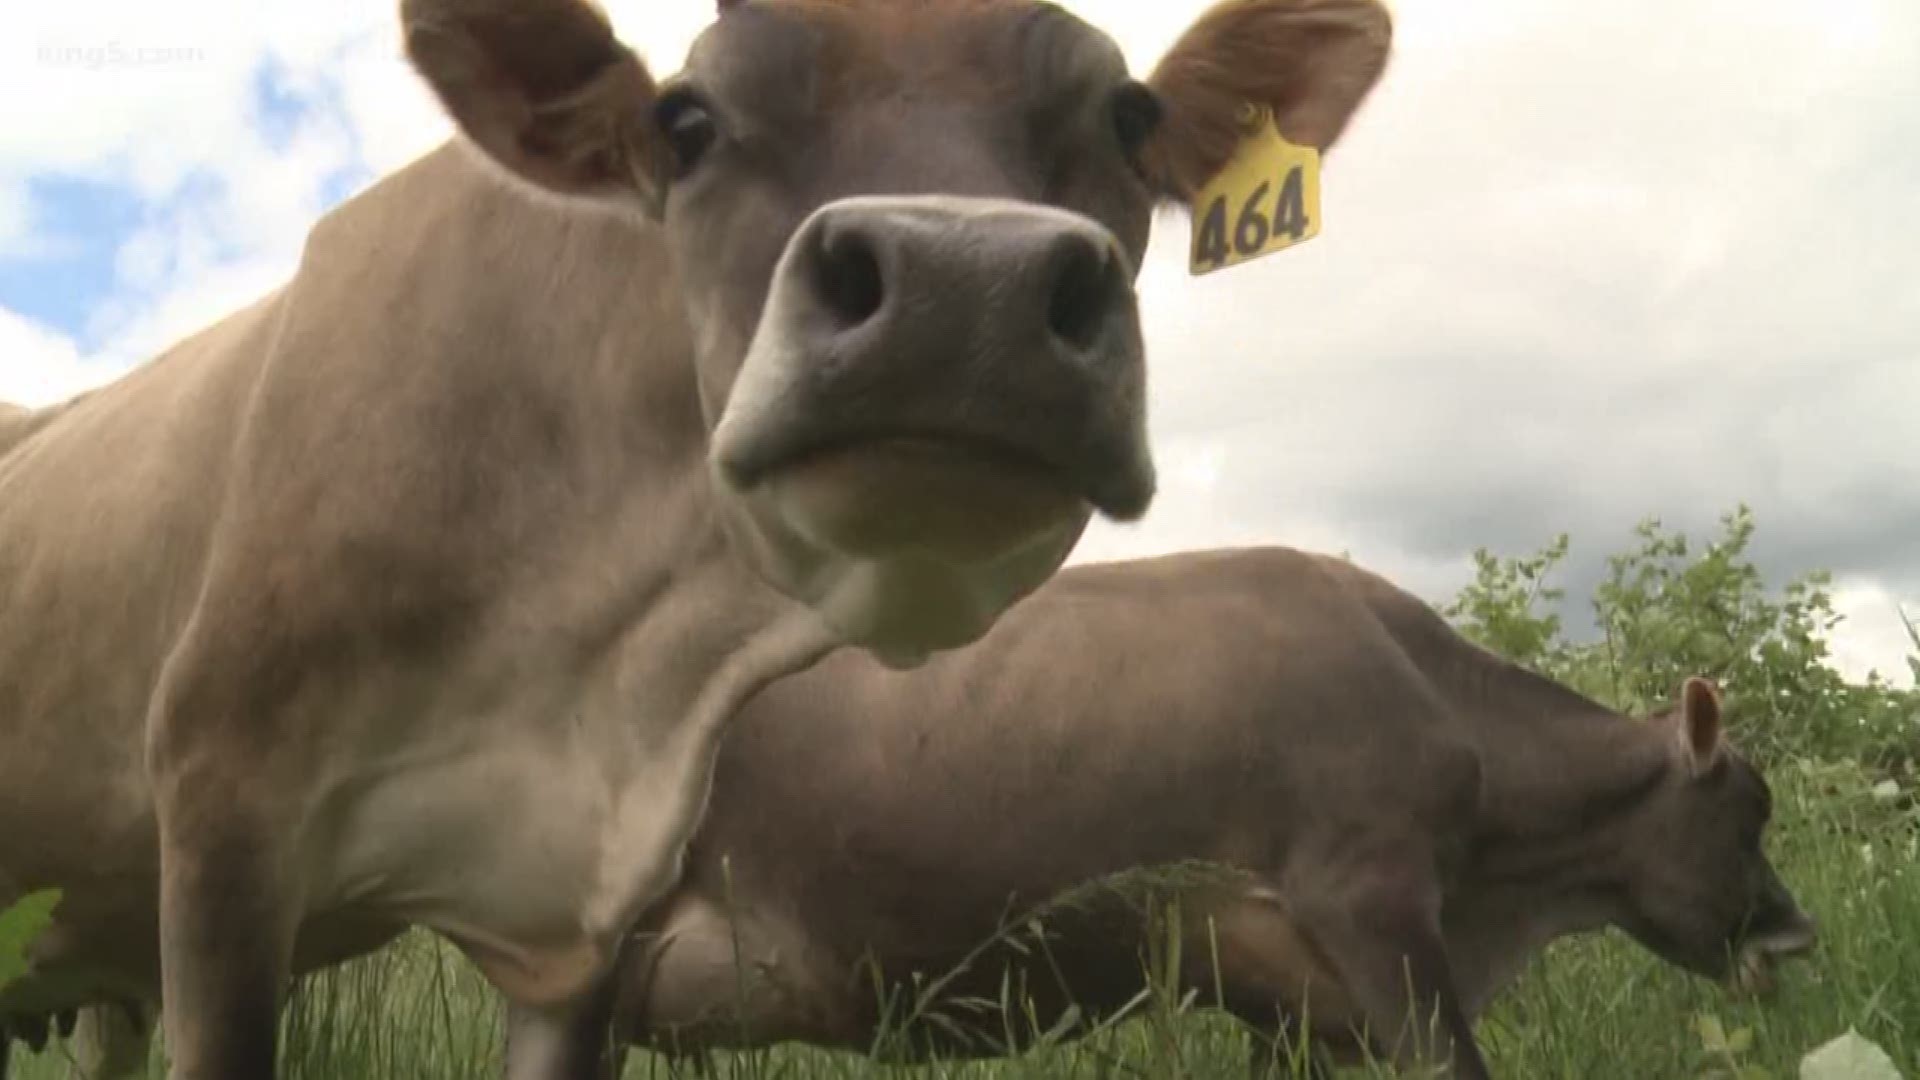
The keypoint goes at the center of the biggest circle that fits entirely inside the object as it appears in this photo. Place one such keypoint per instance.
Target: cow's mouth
(972, 466)
(907, 543)
(932, 448)
(1753, 972)
(955, 500)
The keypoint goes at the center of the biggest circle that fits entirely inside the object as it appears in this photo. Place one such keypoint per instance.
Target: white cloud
(39, 366)
(160, 100)
(1873, 637)
(1582, 262)
(158, 89)
(392, 114)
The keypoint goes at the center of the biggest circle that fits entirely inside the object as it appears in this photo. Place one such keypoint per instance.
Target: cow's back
(291, 433)
(1254, 658)
(1206, 700)
(18, 423)
(15, 422)
(111, 508)
(106, 507)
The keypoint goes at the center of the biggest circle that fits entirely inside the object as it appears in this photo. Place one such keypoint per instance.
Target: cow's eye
(688, 127)
(1136, 112)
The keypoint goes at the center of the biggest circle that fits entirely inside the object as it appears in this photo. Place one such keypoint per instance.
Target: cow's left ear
(1700, 724)
(545, 89)
(1311, 62)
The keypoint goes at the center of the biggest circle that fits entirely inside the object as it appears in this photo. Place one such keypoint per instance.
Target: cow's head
(907, 233)
(1701, 891)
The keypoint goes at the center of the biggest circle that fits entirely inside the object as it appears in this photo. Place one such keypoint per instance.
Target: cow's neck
(592, 336)
(710, 633)
(617, 627)
(1562, 778)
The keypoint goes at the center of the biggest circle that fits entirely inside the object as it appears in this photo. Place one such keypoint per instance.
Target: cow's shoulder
(1414, 626)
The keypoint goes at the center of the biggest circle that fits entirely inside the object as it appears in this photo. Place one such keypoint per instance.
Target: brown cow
(419, 591)
(1390, 790)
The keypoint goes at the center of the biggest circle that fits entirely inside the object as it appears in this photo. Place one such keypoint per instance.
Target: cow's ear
(1310, 61)
(545, 89)
(1699, 724)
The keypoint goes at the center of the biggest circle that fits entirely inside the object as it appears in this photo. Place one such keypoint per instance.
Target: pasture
(419, 589)
(1845, 836)
(1590, 1008)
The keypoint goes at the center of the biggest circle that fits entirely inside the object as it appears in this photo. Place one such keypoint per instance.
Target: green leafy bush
(20, 925)
(1668, 608)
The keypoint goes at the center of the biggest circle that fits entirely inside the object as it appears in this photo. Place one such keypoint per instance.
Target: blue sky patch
(77, 226)
(279, 107)
(282, 105)
(67, 274)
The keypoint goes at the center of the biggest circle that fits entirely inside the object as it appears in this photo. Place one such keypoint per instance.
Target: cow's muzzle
(978, 350)
(1785, 933)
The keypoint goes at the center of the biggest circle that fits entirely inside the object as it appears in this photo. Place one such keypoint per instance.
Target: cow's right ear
(545, 88)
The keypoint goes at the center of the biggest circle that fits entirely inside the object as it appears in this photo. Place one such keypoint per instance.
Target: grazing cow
(1383, 789)
(419, 591)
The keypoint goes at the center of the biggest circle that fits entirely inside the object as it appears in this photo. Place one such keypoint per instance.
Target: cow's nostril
(1084, 292)
(847, 276)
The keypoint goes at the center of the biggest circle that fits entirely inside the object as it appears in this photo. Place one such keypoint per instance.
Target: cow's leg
(1250, 949)
(709, 979)
(229, 744)
(110, 1041)
(1380, 928)
(572, 1042)
(224, 943)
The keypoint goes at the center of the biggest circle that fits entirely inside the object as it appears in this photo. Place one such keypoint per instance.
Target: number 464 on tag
(1265, 199)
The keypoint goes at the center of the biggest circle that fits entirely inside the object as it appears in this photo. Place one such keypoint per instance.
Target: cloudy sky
(1582, 263)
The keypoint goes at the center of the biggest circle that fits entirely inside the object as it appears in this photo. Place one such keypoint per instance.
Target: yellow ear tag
(1266, 197)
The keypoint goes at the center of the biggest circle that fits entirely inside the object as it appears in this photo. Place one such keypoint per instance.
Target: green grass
(1591, 1007)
